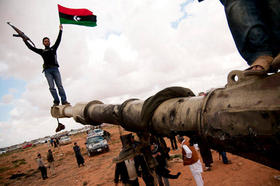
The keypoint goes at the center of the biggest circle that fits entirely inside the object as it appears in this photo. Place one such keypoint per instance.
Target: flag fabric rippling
(76, 16)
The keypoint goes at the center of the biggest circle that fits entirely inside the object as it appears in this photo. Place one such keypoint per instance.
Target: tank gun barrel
(242, 118)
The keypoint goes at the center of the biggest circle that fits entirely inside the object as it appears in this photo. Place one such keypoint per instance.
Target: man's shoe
(259, 67)
(60, 127)
(66, 103)
(228, 162)
(207, 169)
(55, 104)
(275, 65)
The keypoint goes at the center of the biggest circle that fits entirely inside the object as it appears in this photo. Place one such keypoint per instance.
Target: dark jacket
(121, 171)
(161, 169)
(79, 157)
(48, 54)
(50, 157)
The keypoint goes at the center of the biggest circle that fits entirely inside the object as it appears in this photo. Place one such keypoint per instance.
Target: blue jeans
(53, 76)
(255, 27)
(224, 157)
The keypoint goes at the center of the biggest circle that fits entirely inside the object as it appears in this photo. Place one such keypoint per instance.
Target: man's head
(201, 94)
(180, 139)
(132, 139)
(154, 148)
(46, 41)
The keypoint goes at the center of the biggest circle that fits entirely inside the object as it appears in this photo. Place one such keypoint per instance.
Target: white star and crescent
(76, 18)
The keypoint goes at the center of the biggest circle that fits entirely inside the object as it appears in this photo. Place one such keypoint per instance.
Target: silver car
(95, 132)
(96, 144)
(64, 140)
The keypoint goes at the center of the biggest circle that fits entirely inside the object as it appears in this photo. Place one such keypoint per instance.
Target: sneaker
(66, 103)
(207, 169)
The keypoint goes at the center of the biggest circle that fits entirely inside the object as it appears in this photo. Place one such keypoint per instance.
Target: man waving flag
(76, 16)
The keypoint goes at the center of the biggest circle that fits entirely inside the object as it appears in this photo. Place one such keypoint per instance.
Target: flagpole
(58, 14)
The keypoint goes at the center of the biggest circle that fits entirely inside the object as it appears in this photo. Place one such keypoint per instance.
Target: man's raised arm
(38, 51)
(57, 42)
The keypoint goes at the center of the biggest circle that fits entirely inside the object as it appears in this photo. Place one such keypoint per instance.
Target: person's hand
(60, 27)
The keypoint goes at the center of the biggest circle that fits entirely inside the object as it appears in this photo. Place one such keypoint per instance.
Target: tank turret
(242, 118)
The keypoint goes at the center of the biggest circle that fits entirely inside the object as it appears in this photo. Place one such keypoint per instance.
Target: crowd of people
(134, 160)
(55, 145)
(51, 161)
(149, 161)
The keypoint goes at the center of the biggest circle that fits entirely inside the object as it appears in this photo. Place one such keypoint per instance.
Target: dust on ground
(99, 169)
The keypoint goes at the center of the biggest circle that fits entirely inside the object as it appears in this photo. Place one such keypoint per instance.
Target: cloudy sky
(137, 49)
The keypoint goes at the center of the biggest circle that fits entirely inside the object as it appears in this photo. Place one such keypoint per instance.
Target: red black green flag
(76, 16)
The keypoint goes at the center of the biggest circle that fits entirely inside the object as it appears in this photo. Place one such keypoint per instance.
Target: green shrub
(3, 169)
(19, 162)
(176, 156)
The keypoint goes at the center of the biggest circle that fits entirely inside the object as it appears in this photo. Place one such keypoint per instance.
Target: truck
(96, 144)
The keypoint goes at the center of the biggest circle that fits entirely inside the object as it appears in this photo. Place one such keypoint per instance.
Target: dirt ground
(99, 169)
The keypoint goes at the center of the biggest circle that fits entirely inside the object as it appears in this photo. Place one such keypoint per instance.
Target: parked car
(27, 145)
(73, 132)
(95, 132)
(64, 140)
(2, 151)
(99, 132)
(96, 144)
(40, 142)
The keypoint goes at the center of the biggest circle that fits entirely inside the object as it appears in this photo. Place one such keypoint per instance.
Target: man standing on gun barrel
(50, 67)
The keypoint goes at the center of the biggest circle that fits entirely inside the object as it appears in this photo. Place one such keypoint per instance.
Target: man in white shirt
(190, 158)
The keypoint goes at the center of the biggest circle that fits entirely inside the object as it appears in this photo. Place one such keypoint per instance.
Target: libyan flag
(76, 16)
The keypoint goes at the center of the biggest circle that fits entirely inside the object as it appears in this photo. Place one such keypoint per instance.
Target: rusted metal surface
(242, 118)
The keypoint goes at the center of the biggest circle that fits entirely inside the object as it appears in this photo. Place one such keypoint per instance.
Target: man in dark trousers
(205, 152)
(163, 173)
(42, 167)
(51, 161)
(127, 165)
(141, 160)
(128, 172)
(79, 157)
(173, 142)
(204, 147)
(130, 164)
(50, 67)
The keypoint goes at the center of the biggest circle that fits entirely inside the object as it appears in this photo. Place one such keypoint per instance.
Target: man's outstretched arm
(38, 51)
(57, 42)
